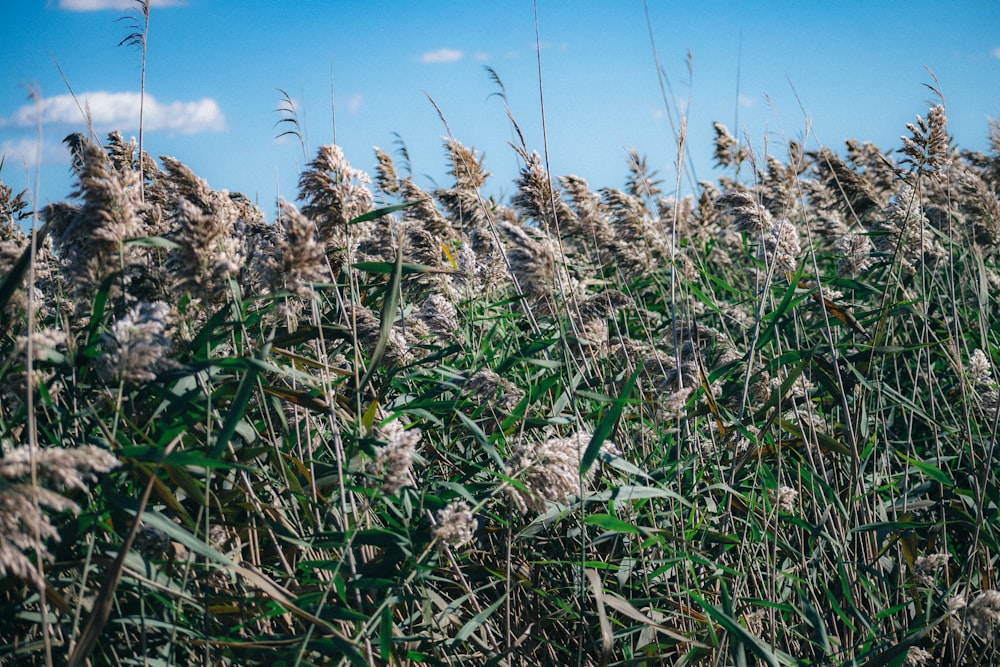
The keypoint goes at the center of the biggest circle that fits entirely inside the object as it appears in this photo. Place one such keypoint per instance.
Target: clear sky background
(811, 71)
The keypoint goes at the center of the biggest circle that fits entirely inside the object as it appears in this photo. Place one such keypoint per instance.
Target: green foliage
(440, 430)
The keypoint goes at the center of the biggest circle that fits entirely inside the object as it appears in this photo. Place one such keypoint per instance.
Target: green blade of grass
(389, 307)
(238, 407)
(607, 423)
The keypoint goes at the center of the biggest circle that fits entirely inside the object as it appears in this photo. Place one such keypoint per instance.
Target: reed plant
(753, 425)
(611, 427)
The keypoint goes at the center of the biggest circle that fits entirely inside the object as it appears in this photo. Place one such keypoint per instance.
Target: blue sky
(771, 71)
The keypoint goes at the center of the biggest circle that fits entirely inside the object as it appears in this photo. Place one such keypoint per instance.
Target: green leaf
(740, 634)
(611, 524)
(928, 469)
(477, 620)
(154, 519)
(385, 635)
(607, 424)
(237, 408)
(153, 242)
(380, 212)
(389, 307)
(632, 492)
(819, 635)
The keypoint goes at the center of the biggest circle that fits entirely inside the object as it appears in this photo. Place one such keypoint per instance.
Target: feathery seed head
(20, 503)
(983, 613)
(334, 194)
(456, 524)
(749, 215)
(386, 179)
(784, 498)
(440, 316)
(394, 459)
(857, 249)
(925, 568)
(548, 470)
(781, 246)
(485, 386)
(927, 147)
(138, 347)
(42, 342)
(979, 371)
(299, 258)
(727, 150)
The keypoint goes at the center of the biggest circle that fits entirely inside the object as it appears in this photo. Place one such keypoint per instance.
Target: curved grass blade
(239, 405)
(380, 212)
(607, 636)
(740, 634)
(389, 307)
(607, 424)
(477, 621)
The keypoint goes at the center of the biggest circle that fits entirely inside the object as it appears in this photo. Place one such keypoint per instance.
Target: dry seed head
(394, 460)
(368, 330)
(841, 184)
(917, 657)
(727, 149)
(334, 193)
(591, 224)
(901, 227)
(538, 200)
(784, 498)
(981, 208)
(20, 503)
(549, 470)
(485, 386)
(440, 316)
(90, 238)
(781, 246)
(925, 568)
(749, 215)
(456, 524)
(857, 249)
(675, 404)
(983, 613)
(42, 342)
(138, 348)
(300, 257)
(386, 179)
(979, 370)
(927, 147)
(208, 253)
(423, 212)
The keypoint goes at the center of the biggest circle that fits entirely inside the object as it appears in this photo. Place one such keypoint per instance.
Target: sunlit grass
(752, 426)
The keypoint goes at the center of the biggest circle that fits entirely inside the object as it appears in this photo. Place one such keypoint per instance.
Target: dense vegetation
(752, 426)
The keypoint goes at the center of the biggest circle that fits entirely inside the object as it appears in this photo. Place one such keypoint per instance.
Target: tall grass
(752, 426)
(430, 429)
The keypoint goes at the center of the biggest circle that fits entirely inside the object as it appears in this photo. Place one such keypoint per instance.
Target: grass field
(756, 425)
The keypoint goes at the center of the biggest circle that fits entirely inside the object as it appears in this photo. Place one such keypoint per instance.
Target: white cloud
(120, 111)
(354, 103)
(996, 52)
(482, 56)
(746, 101)
(441, 56)
(121, 5)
